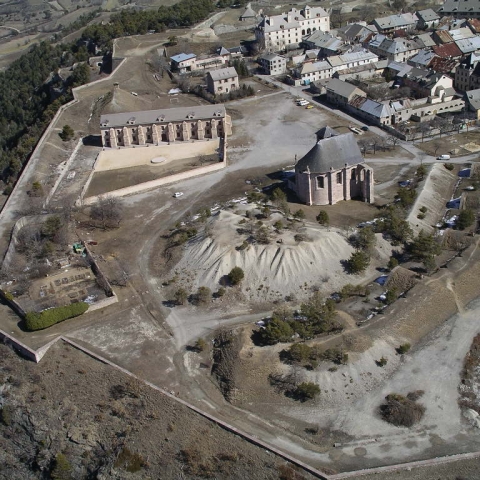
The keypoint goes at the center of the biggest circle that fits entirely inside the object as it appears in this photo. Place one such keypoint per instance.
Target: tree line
(26, 105)
(131, 22)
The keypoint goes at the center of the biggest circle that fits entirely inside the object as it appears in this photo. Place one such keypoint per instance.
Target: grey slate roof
(425, 39)
(342, 88)
(332, 152)
(167, 115)
(473, 97)
(181, 57)
(326, 132)
(427, 15)
(456, 7)
(270, 56)
(249, 12)
(468, 45)
(223, 73)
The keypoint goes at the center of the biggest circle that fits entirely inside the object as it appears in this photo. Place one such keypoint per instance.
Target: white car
(177, 194)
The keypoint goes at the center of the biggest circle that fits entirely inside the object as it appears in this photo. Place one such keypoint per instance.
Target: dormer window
(161, 118)
(218, 113)
(131, 121)
(191, 115)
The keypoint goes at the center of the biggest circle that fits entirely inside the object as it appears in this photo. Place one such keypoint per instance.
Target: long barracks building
(154, 127)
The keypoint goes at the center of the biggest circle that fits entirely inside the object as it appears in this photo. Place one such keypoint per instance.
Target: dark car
(365, 128)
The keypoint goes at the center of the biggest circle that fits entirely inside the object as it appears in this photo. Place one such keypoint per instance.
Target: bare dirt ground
(102, 420)
(457, 144)
(268, 133)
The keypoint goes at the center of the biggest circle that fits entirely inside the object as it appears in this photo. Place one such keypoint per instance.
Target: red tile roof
(442, 65)
(447, 50)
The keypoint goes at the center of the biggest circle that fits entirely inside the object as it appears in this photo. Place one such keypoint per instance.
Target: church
(333, 170)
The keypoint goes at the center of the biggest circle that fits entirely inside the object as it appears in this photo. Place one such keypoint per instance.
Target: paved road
(419, 155)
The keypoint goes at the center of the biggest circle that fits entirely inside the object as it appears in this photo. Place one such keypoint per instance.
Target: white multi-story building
(278, 32)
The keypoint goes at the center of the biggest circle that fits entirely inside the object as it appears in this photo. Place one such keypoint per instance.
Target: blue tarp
(454, 203)
(381, 280)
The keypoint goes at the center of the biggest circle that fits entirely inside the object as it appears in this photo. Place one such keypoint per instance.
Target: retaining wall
(13, 304)
(103, 303)
(20, 347)
(35, 155)
(19, 224)
(142, 187)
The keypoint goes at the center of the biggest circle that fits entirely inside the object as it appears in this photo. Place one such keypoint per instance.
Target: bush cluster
(40, 320)
(401, 411)
(303, 354)
(317, 316)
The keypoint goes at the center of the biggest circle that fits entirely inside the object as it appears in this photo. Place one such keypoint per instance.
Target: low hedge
(47, 318)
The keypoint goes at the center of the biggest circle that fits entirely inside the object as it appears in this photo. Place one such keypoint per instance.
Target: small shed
(248, 15)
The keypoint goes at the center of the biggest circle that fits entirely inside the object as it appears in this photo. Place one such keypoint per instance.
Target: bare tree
(375, 141)
(436, 147)
(393, 140)
(364, 146)
(107, 211)
(424, 128)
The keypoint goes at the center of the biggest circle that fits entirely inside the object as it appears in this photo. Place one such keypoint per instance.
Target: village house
(468, 45)
(279, 32)
(325, 43)
(332, 171)
(183, 62)
(223, 80)
(362, 59)
(340, 93)
(402, 21)
(424, 40)
(473, 100)
(461, 8)
(447, 50)
(422, 59)
(189, 62)
(427, 83)
(249, 14)
(464, 72)
(311, 72)
(441, 36)
(475, 77)
(356, 32)
(427, 19)
(367, 71)
(273, 64)
(155, 127)
(397, 49)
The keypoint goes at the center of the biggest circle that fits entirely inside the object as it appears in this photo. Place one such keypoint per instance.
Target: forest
(25, 103)
(132, 22)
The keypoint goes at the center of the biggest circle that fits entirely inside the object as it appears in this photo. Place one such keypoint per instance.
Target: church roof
(326, 132)
(332, 151)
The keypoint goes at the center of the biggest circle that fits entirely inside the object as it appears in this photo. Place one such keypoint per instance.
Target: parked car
(308, 107)
(365, 128)
(443, 157)
(177, 194)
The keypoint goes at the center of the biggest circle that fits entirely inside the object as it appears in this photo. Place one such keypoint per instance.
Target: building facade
(333, 170)
(223, 80)
(278, 32)
(273, 64)
(157, 127)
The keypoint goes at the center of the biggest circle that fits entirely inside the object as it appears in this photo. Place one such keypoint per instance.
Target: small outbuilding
(249, 14)
(333, 170)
